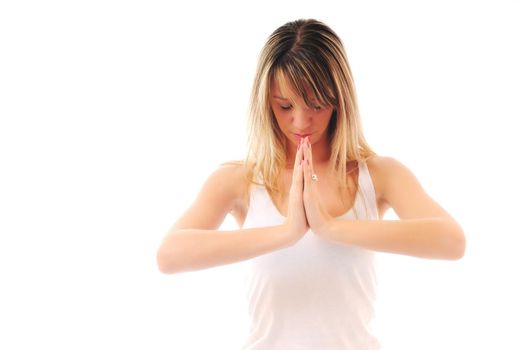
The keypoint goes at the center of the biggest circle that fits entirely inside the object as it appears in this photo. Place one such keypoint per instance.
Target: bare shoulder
(218, 196)
(400, 189)
(234, 176)
(379, 167)
(386, 172)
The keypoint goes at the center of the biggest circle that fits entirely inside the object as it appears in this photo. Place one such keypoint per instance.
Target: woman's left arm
(424, 230)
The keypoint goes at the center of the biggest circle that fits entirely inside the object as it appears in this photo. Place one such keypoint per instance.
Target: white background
(113, 113)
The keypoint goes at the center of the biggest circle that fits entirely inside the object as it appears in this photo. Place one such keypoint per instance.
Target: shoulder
(218, 196)
(399, 188)
(384, 172)
(377, 163)
(233, 178)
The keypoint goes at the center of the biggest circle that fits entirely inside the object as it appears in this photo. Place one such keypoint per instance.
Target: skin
(295, 118)
(424, 230)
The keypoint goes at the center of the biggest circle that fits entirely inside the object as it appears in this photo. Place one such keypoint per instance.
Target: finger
(308, 154)
(298, 159)
(299, 153)
(306, 171)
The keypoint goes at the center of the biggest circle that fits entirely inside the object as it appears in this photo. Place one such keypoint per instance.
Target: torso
(336, 204)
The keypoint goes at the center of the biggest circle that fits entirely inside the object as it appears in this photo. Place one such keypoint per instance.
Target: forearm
(435, 238)
(189, 249)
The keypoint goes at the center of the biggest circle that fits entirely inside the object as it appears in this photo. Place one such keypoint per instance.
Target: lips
(301, 136)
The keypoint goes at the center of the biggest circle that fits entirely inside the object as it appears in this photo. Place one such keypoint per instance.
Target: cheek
(325, 118)
(281, 120)
(282, 117)
(276, 113)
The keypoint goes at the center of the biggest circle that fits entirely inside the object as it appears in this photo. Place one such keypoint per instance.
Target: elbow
(170, 255)
(174, 255)
(462, 245)
(457, 250)
(165, 262)
(162, 263)
(456, 244)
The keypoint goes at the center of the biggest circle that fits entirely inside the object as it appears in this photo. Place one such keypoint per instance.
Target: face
(296, 119)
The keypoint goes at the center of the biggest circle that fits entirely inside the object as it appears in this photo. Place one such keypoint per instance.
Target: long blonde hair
(312, 57)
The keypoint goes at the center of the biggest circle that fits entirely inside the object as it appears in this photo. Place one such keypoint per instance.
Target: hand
(296, 222)
(317, 216)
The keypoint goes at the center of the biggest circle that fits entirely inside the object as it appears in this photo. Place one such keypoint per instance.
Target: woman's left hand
(317, 216)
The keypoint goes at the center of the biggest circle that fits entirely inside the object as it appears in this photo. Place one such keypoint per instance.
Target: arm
(425, 230)
(195, 243)
(434, 238)
(190, 249)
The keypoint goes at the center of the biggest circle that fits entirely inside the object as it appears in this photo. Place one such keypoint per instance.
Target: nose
(301, 120)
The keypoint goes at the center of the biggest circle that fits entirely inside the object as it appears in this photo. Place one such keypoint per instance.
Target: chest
(335, 199)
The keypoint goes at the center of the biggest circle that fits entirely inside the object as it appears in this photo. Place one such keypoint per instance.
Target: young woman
(309, 199)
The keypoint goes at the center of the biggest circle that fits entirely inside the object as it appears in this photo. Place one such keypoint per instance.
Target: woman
(308, 198)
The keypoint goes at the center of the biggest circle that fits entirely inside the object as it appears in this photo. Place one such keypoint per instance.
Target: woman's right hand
(296, 222)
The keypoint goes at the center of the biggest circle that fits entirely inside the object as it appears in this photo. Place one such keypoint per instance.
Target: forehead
(281, 86)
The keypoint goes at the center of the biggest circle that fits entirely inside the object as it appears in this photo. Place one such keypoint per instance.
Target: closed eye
(285, 107)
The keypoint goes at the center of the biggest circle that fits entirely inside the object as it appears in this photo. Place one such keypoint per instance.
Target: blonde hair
(312, 58)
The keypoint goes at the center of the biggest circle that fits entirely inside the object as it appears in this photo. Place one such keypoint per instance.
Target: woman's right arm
(194, 242)
(193, 249)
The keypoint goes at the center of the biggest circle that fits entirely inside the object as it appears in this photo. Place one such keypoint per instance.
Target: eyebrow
(285, 99)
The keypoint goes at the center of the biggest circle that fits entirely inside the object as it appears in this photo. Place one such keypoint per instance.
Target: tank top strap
(368, 191)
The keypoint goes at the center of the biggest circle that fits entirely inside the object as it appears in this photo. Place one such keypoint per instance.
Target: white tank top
(316, 294)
